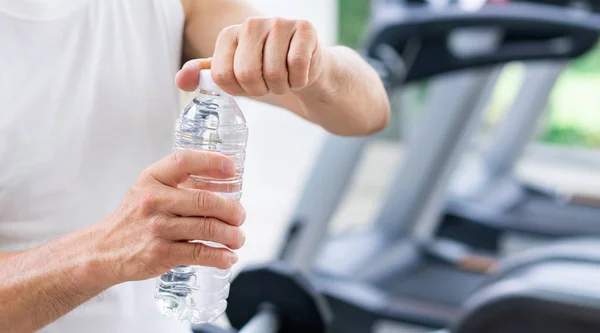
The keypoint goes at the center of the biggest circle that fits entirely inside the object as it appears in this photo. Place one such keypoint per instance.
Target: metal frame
(510, 137)
(433, 150)
(415, 198)
(487, 191)
(309, 227)
(430, 150)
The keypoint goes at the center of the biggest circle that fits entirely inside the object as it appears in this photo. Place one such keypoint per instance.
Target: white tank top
(87, 100)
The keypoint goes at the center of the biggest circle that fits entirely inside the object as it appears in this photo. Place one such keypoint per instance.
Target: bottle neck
(214, 100)
(221, 94)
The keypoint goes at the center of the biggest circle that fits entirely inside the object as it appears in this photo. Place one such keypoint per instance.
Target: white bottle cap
(207, 84)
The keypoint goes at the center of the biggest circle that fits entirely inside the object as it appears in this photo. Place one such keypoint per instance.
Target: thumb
(188, 76)
(177, 167)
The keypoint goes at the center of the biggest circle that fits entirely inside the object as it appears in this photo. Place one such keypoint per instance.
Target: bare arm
(342, 93)
(39, 285)
(147, 235)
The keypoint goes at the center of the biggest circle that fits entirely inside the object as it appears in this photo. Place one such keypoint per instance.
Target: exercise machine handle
(528, 32)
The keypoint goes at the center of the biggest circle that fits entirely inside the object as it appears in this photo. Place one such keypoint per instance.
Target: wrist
(82, 264)
(348, 97)
(322, 81)
(99, 262)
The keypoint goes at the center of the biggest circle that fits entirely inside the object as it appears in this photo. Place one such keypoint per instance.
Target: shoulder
(187, 6)
(227, 9)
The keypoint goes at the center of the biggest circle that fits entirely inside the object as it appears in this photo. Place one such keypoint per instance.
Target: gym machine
(409, 273)
(398, 271)
(486, 191)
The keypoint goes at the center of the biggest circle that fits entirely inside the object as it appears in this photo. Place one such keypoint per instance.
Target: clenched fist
(150, 232)
(260, 56)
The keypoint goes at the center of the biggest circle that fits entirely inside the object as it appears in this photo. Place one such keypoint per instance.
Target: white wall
(281, 147)
(322, 13)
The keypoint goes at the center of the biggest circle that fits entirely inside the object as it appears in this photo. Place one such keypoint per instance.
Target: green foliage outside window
(574, 106)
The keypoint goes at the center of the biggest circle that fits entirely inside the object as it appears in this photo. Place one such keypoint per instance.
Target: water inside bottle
(211, 122)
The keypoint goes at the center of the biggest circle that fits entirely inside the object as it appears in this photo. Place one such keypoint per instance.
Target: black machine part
(420, 288)
(427, 37)
(208, 328)
(522, 208)
(578, 249)
(297, 305)
(589, 5)
(550, 289)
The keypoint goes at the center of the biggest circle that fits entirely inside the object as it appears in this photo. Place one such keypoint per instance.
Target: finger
(179, 165)
(212, 185)
(205, 229)
(185, 253)
(222, 63)
(188, 76)
(247, 63)
(302, 47)
(188, 202)
(276, 49)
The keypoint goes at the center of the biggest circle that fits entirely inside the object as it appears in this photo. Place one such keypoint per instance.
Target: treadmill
(400, 269)
(486, 191)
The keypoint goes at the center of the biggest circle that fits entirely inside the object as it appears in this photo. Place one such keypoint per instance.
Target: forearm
(42, 284)
(349, 97)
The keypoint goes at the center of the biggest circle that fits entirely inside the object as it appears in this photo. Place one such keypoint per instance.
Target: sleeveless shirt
(87, 101)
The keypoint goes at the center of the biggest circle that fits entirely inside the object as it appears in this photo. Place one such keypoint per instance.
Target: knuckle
(146, 174)
(202, 253)
(278, 23)
(198, 253)
(134, 191)
(213, 229)
(158, 250)
(205, 199)
(229, 32)
(223, 76)
(305, 25)
(252, 23)
(148, 202)
(275, 75)
(299, 61)
(156, 225)
(180, 158)
(247, 75)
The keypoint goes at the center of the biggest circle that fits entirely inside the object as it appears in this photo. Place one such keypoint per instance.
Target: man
(87, 109)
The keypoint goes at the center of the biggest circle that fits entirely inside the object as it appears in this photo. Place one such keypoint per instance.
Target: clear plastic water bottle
(213, 122)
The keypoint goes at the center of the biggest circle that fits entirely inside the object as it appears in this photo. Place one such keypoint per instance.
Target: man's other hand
(151, 231)
(260, 56)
